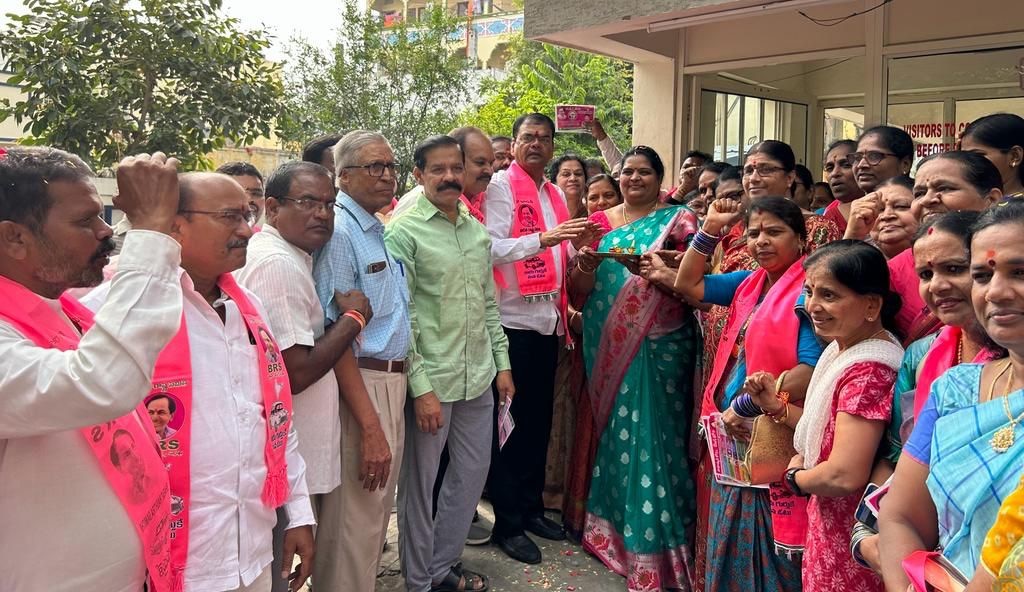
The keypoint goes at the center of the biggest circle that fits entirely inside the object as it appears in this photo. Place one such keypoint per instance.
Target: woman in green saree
(640, 347)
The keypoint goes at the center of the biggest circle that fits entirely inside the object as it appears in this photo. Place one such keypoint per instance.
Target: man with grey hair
(355, 258)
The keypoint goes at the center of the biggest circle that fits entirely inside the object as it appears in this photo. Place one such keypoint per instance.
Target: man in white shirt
(533, 327)
(52, 237)
(229, 534)
(279, 270)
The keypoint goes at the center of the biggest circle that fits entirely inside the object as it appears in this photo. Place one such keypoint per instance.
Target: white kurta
(229, 527)
(517, 313)
(62, 527)
(281, 275)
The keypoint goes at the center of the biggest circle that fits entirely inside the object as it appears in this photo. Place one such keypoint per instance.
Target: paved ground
(566, 567)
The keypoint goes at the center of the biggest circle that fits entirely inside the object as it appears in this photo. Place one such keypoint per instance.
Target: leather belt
(397, 366)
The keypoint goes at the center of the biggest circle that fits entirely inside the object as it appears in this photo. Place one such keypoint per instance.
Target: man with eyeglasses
(355, 258)
(249, 177)
(279, 270)
(234, 464)
(529, 224)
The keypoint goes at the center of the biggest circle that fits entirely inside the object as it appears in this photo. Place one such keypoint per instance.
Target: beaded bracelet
(704, 243)
(744, 406)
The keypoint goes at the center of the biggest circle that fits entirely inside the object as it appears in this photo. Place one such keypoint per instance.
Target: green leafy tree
(404, 81)
(541, 76)
(106, 78)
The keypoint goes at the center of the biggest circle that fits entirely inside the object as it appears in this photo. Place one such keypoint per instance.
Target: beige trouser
(348, 554)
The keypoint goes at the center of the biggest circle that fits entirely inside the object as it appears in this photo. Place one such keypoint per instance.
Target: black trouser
(516, 480)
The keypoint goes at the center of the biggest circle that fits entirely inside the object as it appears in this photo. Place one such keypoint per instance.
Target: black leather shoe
(518, 547)
(545, 528)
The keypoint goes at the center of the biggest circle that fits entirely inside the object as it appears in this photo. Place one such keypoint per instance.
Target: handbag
(771, 450)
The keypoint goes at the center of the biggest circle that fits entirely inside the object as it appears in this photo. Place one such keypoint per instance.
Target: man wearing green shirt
(458, 348)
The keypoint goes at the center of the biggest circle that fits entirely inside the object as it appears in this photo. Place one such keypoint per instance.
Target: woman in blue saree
(966, 452)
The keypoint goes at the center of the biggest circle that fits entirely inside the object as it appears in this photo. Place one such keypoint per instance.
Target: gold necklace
(631, 249)
(960, 351)
(649, 210)
(1003, 439)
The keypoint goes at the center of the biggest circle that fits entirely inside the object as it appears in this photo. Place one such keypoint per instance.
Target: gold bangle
(780, 381)
(579, 266)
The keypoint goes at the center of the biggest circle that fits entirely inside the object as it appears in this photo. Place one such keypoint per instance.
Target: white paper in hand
(505, 425)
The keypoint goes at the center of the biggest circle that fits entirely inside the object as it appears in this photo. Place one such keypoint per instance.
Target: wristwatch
(790, 479)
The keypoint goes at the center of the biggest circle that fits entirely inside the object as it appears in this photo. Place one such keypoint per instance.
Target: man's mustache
(238, 243)
(106, 247)
(450, 185)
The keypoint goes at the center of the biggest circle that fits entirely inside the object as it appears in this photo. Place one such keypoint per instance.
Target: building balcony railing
(485, 25)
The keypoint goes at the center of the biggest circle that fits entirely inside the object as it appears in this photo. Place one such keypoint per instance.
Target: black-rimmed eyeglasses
(872, 156)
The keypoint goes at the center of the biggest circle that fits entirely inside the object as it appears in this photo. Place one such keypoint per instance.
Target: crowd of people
(251, 367)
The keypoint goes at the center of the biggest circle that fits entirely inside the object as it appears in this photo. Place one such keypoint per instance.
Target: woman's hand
(722, 213)
(761, 388)
(735, 425)
(864, 211)
(869, 552)
(671, 258)
(632, 265)
(797, 462)
(652, 265)
(587, 260)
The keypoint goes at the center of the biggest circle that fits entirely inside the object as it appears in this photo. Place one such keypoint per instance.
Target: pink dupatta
(141, 488)
(942, 356)
(770, 345)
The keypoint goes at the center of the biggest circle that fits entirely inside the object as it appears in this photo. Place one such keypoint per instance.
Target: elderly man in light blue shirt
(372, 427)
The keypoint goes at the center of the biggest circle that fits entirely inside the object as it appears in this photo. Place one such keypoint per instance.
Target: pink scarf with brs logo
(173, 378)
(125, 448)
(769, 344)
(537, 276)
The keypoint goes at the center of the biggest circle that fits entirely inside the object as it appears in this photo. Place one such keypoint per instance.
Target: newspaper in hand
(727, 453)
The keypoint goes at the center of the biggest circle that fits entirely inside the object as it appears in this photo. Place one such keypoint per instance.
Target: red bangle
(356, 316)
